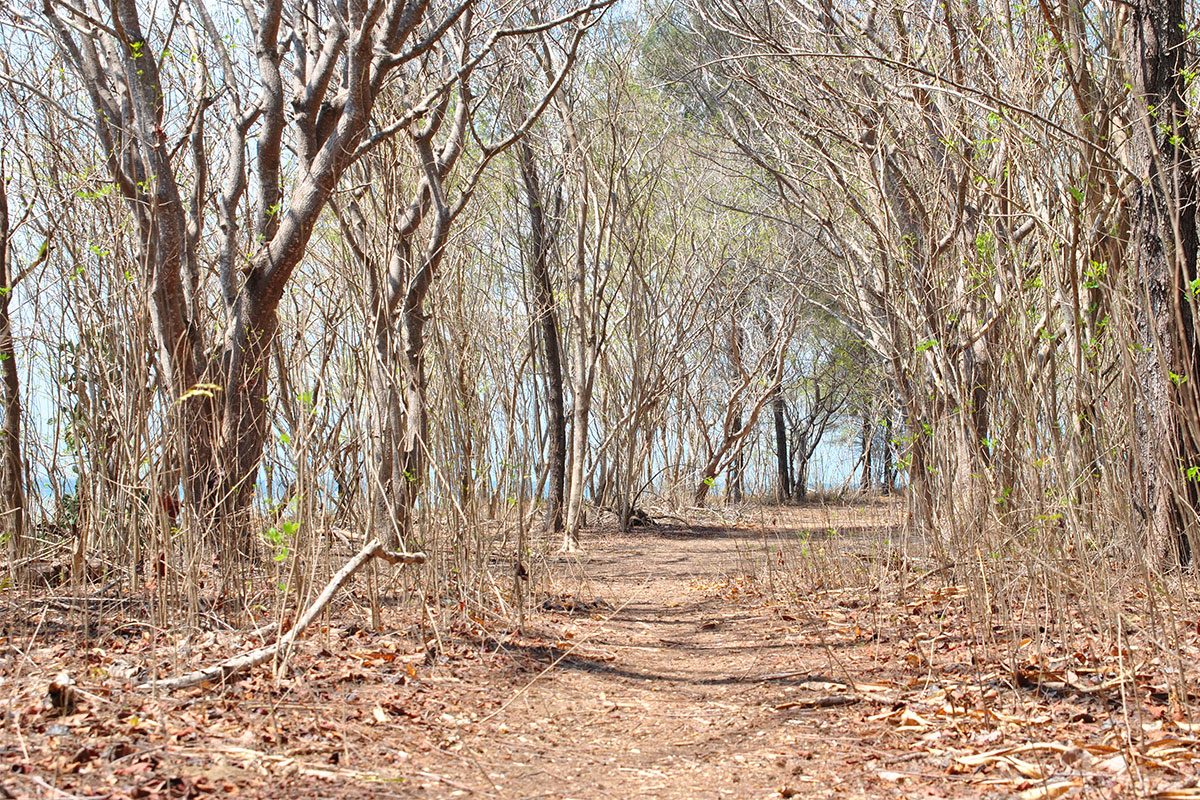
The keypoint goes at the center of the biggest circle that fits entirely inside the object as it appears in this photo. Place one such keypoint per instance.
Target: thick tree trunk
(410, 471)
(243, 424)
(12, 473)
(920, 487)
(586, 344)
(386, 422)
(414, 456)
(580, 417)
(800, 485)
(979, 381)
(1165, 244)
(547, 322)
(783, 491)
(219, 406)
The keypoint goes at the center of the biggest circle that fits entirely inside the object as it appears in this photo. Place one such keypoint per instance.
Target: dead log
(252, 658)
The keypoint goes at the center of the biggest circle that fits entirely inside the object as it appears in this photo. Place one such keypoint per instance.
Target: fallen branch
(803, 677)
(825, 701)
(260, 655)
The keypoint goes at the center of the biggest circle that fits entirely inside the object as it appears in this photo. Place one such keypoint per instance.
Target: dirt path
(674, 684)
(658, 667)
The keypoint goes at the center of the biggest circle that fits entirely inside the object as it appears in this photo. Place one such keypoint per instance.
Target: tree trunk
(889, 468)
(411, 469)
(783, 491)
(735, 489)
(400, 418)
(386, 421)
(801, 452)
(580, 417)
(547, 323)
(868, 436)
(920, 486)
(586, 343)
(1165, 242)
(12, 473)
(243, 421)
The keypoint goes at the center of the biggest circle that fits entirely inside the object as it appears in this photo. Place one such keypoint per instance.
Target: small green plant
(279, 537)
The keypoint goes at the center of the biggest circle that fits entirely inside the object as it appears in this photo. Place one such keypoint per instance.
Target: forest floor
(683, 661)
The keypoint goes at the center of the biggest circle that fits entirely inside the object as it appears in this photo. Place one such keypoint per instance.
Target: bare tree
(309, 101)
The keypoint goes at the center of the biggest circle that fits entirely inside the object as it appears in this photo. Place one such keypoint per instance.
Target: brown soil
(682, 662)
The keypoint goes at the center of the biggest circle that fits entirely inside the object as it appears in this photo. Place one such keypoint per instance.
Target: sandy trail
(676, 685)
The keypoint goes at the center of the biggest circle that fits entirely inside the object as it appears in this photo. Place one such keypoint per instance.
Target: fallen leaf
(1117, 764)
(1050, 790)
(1026, 768)
(911, 720)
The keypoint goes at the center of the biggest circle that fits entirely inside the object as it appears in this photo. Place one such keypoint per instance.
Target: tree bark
(547, 323)
(386, 417)
(803, 454)
(12, 472)
(889, 469)
(414, 448)
(783, 491)
(1165, 242)
(586, 340)
(868, 431)
(735, 489)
